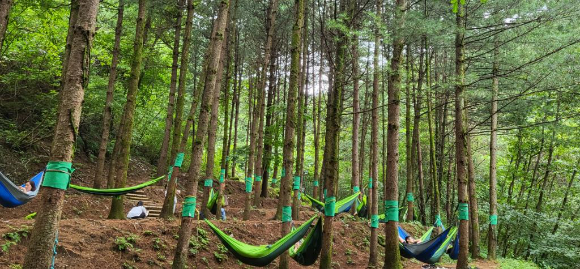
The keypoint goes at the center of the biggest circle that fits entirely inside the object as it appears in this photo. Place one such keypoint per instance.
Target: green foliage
(124, 243)
(516, 264)
(14, 237)
(198, 242)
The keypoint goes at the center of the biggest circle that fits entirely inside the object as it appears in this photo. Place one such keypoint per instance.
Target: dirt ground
(88, 240)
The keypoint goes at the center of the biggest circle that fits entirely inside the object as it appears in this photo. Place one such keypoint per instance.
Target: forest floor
(88, 240)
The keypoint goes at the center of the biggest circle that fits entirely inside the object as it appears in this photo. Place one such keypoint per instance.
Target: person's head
(30, 186)
(140, 203)
(409, 239)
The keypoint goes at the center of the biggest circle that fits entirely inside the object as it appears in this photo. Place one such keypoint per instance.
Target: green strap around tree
(329, 206)
(410, 197)
(222, 175)
(249, 184)
(188, 207)
(296, 185)
(208, 182)
(57, 175)
(463, 211)
(316, 183)
(179, 159)
(258, 178)
(356, 189)
(438, 221)
(493, 219)
(370, 182)
(391, 210)
(286, 214)
(374, 221)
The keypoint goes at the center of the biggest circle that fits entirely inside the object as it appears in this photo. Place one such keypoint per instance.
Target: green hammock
(212, 202)
(362, 208)
(341, 206)
(115, 192)
(308, 252)
(264, 254)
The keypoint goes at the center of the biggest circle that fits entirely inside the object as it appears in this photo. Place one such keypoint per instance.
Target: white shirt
(136, 212)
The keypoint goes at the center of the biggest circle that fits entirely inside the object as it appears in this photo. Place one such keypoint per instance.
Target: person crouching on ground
(138, 212)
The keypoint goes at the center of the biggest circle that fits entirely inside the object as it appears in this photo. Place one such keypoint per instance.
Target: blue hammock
(454, 250)
(427, 251)
(12, 196)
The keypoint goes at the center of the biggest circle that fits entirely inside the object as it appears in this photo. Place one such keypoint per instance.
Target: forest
(289, 134)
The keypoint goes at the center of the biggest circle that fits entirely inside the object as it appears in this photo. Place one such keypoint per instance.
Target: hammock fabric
(115, 192)
(341, 206)
(264, 254)
(454, 250)
(12, 196)
(427, 251)
(308, 252)
(362, 208)
(211, 203)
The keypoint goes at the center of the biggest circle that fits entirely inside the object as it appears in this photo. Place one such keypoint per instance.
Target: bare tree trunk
(162, 161)
(42, 239)
(492, 231)
(373, 255)
(460, 138)
(168, 203)
(392, 255)
(215, 48)
(331, 156)
(126, 134)
(473, 208)
(269, 132)
(289, 136)
(5, 6)
(108, 113)
(408, 145)
(417, 137)
(355, 176)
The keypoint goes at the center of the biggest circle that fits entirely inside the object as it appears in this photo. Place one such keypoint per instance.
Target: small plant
(161, 257)
(157, 244)
(14, 237)
(349, 261)
(220, 257)
(127, 265)
(15, 266)
(147, 233)
(222, 248)
(125, 243)
(348, 252)
(205, 261)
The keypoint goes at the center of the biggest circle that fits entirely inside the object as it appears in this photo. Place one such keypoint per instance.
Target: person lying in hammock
(411, 240)
(30, 186)
(138, 212)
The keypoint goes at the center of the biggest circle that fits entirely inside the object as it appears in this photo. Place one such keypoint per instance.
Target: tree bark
(108, 113)
(168, 203)
(373, 255)
(408, 145)
(162, 161)
(473, 208)
(392, 255)
(5, 6)
(269, 132)
(355, 176)
(289, 136)
(460, 134)
(492, 230)
(417, 137)
(214, 48)
(126, 133)
(42, 238)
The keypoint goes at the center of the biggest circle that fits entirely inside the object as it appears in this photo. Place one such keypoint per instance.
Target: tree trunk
(460, 135)
(473, 208)
(168, 203)
(435, 202)
(269, 132)
(270, 27)
(408, 146)
(565, 200)
(492, 230)
(126, 134)
(373, 255)
(215, 48)
(162, 161)
(392, 255)
(355, 176)
(331, 156)
(5, 6)
(108, 113)
(417, 136)
(42, 239)
(289, 136)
